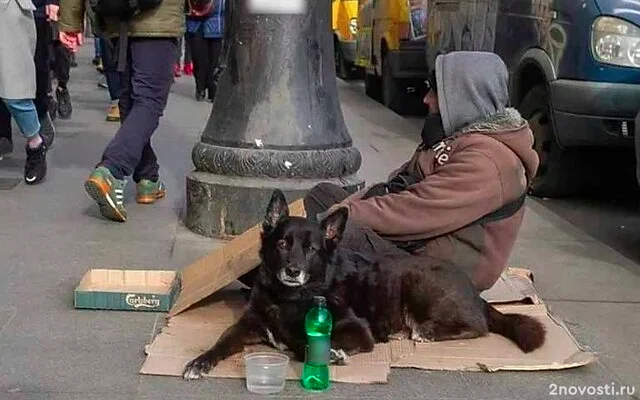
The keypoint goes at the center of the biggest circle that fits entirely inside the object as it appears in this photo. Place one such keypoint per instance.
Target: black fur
(372, 300)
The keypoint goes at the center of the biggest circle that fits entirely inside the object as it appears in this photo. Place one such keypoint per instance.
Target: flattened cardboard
(130, 290)
(195, 330)
(223, 266)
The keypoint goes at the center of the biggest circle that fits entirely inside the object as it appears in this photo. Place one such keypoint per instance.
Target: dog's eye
(282, 244)
(312, 248)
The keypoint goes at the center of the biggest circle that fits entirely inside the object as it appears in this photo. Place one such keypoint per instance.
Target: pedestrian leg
(24, 113)
(61, 69)
(199, 53)
(214, 47)
(43, 84)
(143, 98)
(6, 143)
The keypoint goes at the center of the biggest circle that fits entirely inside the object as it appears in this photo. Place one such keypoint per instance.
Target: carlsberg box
(132, 290)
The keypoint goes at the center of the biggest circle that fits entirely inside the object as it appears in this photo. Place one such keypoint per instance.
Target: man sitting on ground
(460, 198)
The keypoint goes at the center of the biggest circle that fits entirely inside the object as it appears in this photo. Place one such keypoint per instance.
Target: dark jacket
(165, 21)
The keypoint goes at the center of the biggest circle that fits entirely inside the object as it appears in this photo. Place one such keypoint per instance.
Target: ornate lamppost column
(276, 121)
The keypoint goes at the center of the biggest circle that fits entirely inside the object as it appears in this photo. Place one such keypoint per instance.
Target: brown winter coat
(465, 177)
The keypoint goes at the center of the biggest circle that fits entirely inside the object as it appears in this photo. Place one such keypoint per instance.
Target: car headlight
(353, 26)
(615, 41)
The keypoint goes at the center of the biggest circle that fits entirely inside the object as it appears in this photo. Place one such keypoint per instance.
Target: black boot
(35, 167)
(64, 103)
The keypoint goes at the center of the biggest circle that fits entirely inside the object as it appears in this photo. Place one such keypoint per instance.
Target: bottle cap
(319, 301)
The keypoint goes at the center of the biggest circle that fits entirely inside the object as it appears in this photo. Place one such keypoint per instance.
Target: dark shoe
(200, 95)
(35, 168)
(108, 192)
(147, 191)
(47, 130)
(6, 146)
(64, 103)
(53, 107)
(96, 60)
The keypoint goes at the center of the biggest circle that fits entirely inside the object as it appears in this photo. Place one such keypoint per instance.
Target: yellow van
(345, 27)
(391, 48)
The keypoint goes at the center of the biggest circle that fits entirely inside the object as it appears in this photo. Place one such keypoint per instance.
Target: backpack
(123, 11)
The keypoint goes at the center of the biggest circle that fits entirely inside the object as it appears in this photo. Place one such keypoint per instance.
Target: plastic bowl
(265, 372)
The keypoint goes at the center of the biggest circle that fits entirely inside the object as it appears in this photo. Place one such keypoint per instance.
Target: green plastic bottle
(318, 324)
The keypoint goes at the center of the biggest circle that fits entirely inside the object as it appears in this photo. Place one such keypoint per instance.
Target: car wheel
(392, 96)
(373, 86)
(553, 178)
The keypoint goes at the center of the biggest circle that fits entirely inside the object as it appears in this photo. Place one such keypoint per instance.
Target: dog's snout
(293, 272)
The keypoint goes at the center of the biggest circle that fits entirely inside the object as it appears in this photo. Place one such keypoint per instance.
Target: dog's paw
(399, 336)
(196, 368)
(339, 357)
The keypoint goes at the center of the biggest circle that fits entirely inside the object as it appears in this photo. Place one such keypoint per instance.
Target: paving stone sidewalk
(52, 233)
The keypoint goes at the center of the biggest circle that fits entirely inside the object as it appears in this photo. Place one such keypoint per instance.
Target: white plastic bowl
(265, 372)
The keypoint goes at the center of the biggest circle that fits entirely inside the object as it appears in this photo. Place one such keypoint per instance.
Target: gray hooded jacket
(472, 87)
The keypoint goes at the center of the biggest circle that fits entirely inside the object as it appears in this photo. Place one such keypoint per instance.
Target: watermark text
(609, 389)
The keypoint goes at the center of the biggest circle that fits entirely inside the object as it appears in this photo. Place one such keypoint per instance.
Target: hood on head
(472, 85)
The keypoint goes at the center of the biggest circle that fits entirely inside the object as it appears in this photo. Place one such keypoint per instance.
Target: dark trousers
(145, 82)
(43, 81)
(356, 238)
(184, 42)
(61, 61)
(109, 64)
(205, 53)
(5, 121)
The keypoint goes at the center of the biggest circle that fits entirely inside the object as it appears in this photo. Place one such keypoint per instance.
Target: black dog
(371, 300)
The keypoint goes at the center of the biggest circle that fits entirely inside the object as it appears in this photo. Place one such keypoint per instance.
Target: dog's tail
(526, 332)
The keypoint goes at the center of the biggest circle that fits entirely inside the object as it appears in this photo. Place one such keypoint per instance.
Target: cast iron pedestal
(276, 121)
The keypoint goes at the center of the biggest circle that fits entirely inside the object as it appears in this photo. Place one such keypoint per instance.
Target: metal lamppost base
(220, 206)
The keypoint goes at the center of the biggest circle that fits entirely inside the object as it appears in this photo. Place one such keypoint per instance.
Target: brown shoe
(113, 114)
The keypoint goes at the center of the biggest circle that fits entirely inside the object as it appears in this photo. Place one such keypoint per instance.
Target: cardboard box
(132, 290)
(203, 311)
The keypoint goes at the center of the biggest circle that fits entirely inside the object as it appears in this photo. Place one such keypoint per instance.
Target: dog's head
(296, 251)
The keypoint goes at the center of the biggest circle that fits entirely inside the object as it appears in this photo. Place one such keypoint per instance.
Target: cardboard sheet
(189, 333)
(223, 266)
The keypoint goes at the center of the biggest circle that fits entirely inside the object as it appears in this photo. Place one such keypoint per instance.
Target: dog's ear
(277, 209)
(334, 224)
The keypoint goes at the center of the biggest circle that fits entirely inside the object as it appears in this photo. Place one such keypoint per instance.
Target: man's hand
(72, 40)
(52, 12)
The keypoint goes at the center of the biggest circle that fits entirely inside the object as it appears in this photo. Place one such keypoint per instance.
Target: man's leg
(43, 84)
(26, 117)
(151, 79)
(214, 47)
(62, 66)
(113, 79)
(357, 238)
(321, 197)
(187, 49)
(143, 102)
(199, 53)
(6, 144)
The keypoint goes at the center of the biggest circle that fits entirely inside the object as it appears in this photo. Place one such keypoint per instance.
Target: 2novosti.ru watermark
(610, 389)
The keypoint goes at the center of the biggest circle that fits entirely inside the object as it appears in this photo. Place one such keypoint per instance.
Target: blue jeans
(25, 114)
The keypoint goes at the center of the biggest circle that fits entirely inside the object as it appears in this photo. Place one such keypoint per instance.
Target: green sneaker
(148, 191)
(108, 192)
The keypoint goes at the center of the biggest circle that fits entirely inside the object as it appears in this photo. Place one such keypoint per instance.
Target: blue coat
(213, 26)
